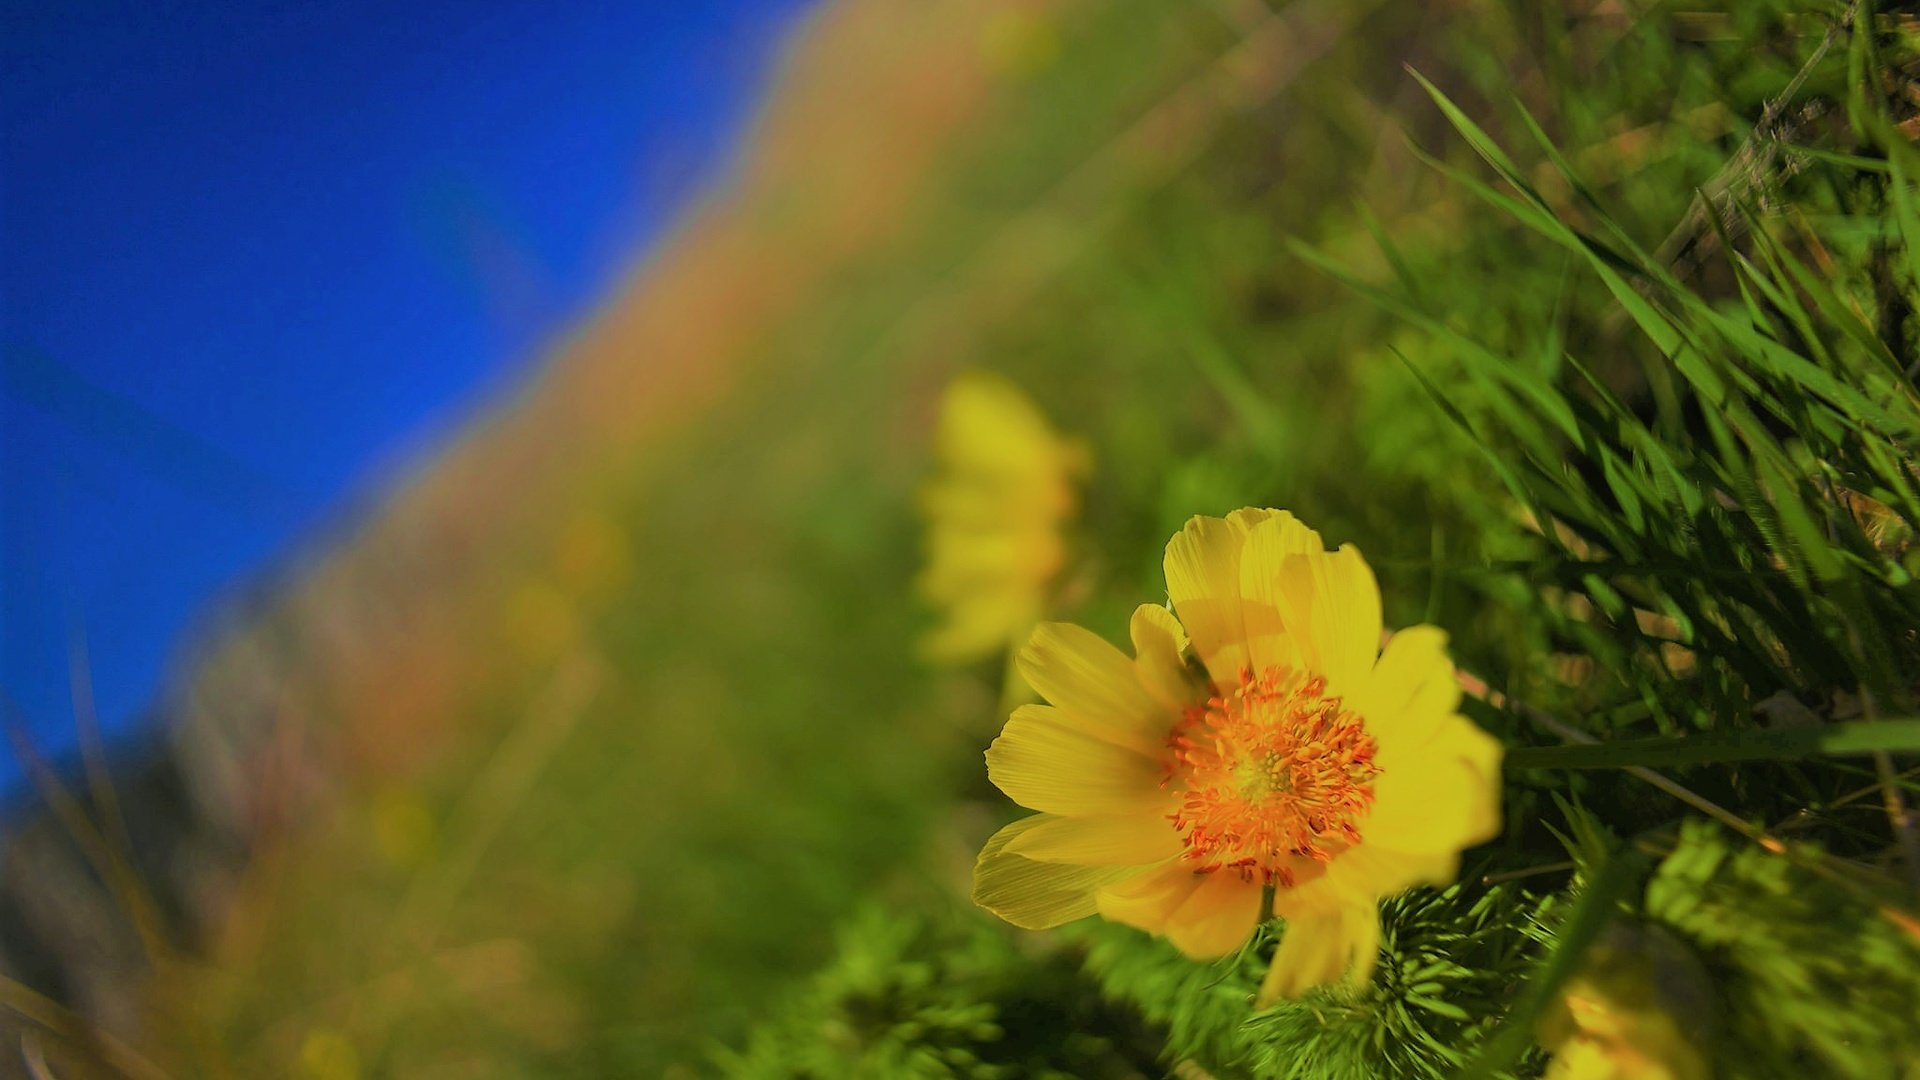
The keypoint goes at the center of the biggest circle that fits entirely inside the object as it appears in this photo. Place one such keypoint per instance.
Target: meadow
(609, 750)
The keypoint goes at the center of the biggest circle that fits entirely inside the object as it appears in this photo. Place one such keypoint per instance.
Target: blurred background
(264, 258)
(263, 262)
(458, 463)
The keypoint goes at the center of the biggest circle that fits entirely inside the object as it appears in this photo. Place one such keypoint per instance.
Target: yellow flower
(994, 517)
(1619, 1019)
(1607, 1036)
(1302, 759)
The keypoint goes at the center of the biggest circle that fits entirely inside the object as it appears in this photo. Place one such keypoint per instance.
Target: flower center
(1270, 777)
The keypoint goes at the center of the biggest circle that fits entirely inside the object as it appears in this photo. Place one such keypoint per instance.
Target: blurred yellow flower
(1610, 1037)
(1619, 1019)
(995, 513)
(1302, 760)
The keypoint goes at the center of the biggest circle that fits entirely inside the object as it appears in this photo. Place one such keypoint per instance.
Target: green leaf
(1716, 748)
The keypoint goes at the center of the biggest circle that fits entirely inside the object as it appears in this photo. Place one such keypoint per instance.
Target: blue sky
(252, 255)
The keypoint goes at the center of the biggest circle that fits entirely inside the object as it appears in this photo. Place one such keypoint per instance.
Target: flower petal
(1203, 581)
(985, 621)
(1483, 754)
(1159, 661)
(988, 427)
(1148, 901)
(1037, 895)
(1276, 592)
(1309, 607)
(1441, 796)
(1316, 896)
(1044, 762)
(1412, 689)
(1346, 618)
(1217, 918)
(1137, 840)
(1095, 686)
(963, 559)
(1370, 872)
(1317, 950)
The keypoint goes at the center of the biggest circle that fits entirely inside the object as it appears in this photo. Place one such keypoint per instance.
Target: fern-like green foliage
(1449, 960)
(1813, 979)
(933, 992)
(1203, 1008)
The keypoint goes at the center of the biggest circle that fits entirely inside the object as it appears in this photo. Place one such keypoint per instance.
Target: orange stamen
(1272, 778)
